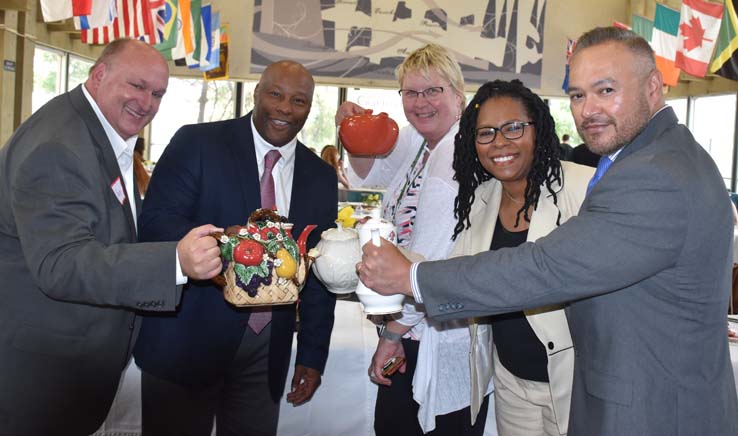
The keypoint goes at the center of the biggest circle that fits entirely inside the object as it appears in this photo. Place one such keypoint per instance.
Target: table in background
(343, 405)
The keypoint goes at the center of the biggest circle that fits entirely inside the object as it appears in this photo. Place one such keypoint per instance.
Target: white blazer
(549, 323)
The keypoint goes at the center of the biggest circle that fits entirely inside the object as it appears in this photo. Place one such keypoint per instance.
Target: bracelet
(390, 336)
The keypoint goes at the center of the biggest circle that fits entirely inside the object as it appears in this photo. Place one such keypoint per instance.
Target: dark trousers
(239, 402)
(396, 413)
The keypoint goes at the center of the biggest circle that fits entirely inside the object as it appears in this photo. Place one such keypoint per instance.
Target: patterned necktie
(261, 316)
(602, 166)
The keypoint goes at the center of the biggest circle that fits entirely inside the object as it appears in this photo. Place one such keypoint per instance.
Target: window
(713, 125)
(680, 108)
(48, 76)
(190, 101)
(79, 68)
(320, 127)
(564, 120)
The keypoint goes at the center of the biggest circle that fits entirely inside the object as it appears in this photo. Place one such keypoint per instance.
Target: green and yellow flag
(725, 60)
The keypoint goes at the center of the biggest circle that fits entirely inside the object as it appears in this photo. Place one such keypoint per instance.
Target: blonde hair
(437, 57)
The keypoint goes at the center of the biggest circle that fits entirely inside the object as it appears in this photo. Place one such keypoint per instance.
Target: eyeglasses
(510, 131)
(431, 93)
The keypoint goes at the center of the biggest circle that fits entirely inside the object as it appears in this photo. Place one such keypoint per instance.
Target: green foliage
(564, 121)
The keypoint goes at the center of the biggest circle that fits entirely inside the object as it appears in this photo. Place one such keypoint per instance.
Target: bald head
(128, 82)
(282, 101)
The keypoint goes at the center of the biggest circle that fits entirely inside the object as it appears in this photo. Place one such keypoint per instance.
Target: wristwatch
(390, 336)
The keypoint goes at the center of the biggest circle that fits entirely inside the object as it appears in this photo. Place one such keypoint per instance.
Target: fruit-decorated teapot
(262, 263)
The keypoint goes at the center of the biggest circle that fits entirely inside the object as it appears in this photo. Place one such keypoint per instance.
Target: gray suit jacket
(646, 265)
(71, 276)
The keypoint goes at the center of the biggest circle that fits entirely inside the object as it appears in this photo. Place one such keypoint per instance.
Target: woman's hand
(348, 109)
(386, 350)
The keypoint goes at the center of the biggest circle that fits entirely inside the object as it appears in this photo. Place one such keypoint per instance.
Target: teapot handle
(375, 238)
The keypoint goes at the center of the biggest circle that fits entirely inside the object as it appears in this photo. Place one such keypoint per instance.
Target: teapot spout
(302, 240)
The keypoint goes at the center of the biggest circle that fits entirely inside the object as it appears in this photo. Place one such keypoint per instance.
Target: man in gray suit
(646, 264)
(73, 276)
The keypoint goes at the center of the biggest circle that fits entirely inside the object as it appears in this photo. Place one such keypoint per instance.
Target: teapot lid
(339, 233)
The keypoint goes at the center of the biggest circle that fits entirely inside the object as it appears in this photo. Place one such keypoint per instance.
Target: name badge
(117, 188)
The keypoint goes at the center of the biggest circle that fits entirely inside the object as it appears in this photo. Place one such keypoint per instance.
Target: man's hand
(348, 109)
(385, 350)
(384, 269)
(304, 384)
(199, 255)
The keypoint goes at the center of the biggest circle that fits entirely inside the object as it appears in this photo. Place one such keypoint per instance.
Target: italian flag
(664, 42)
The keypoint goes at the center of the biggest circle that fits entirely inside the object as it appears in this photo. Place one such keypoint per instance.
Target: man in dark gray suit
(73, 276)
(646, 264)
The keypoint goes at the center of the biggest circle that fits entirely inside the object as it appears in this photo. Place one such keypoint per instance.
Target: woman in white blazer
(513, 189)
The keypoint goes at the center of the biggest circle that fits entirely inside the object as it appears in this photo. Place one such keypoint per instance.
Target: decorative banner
(368, 39)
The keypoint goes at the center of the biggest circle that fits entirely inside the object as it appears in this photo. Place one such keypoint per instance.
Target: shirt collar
(262, 146)
(120, 146)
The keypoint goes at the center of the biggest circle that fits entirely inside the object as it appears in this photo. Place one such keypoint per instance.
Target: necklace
(507, 194)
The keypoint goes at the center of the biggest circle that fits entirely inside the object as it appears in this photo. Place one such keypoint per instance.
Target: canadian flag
(698, 29)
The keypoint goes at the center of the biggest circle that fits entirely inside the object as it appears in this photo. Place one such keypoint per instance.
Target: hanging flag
(664, 42)
(620, 25)
(222, 71)
(103, 13)
(643, 27)
(206, 36)
(81, 7)
(698, 30)
(56, 10)
(170, 30)
(725, 62)
(185, 9)
(195, 11)
(570, 43)
(133, 20)
(170, 18)
(214, 56)
(158, 19)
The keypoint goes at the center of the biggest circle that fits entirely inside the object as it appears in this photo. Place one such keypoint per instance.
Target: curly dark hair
(469, 172)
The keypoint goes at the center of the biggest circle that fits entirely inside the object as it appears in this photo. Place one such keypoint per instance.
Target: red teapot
(368, 134)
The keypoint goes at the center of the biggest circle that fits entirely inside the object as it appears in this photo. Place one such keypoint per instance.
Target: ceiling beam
(15, 5)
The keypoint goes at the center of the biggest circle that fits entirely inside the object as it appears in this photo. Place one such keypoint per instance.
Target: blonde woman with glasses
(430, 394)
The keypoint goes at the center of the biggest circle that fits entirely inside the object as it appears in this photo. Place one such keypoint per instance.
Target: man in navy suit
(205, 362)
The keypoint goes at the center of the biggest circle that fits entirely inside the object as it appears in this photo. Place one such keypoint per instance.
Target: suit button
(550, 345)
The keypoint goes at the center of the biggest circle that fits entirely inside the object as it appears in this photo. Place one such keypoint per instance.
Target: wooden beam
(62, 26)
(15, 5)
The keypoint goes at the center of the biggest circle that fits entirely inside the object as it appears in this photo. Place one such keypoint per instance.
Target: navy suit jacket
(208, 174)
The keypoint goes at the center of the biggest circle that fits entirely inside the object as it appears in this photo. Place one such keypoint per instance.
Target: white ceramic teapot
(339, 253)
(374, 303)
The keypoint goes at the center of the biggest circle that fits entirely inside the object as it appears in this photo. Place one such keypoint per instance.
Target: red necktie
(261, 316)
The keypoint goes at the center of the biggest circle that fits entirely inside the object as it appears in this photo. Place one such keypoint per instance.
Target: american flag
(134, 20)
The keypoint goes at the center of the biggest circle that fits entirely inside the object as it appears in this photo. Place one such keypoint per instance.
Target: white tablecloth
(343, 405)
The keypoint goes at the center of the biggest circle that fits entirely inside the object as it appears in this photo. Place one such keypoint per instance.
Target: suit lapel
(244, 167)
(104, 151)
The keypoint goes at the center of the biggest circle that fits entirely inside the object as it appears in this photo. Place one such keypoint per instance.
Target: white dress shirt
(283, 171)
(123, 149)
